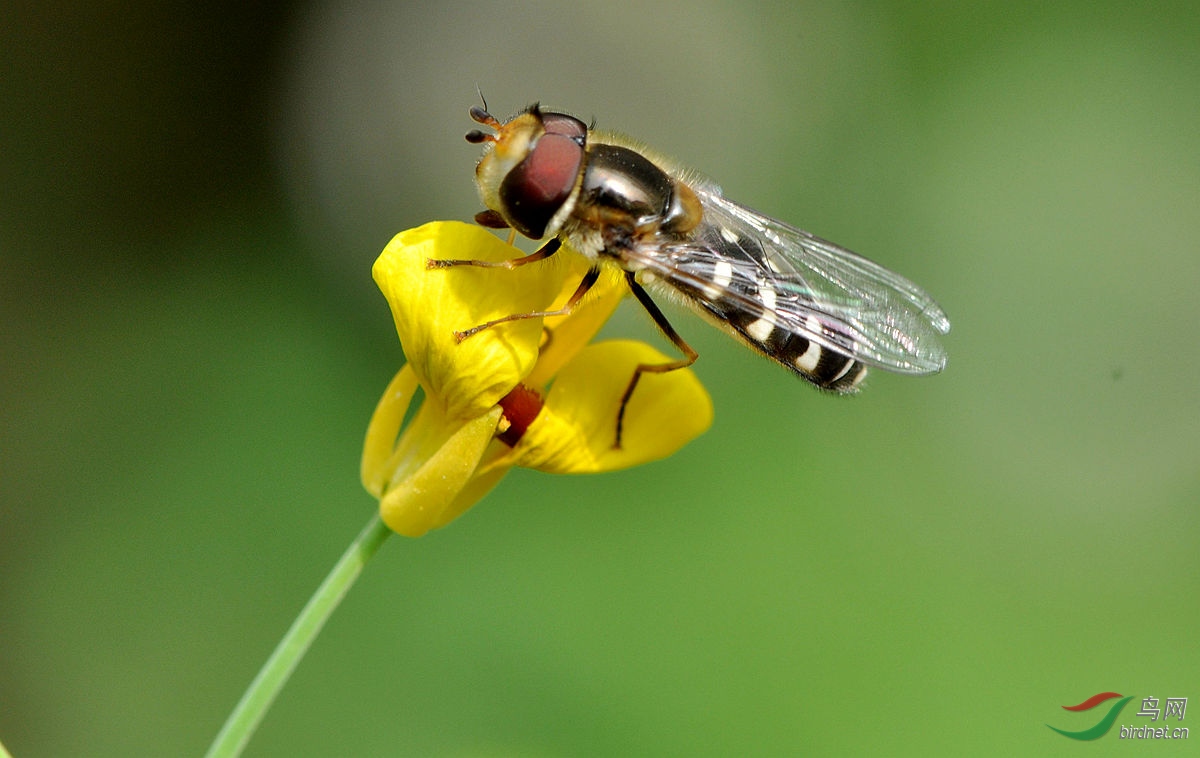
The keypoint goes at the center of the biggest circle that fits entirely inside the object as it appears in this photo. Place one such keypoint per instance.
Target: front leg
(589, 279)
(542, 253)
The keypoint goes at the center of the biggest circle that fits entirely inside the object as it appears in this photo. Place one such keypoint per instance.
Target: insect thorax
(624, 197)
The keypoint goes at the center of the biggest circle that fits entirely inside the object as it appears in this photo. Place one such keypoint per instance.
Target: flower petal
(576, 429)
(384, 428)
(430, 305)
(480, 484)
(421, 502)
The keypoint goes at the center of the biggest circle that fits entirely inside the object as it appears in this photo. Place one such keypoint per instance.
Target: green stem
(275, 672)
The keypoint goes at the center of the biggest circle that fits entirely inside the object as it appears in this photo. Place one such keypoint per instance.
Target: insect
(818, 309)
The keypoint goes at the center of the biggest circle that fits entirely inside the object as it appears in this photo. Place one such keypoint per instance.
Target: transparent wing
(821, 291)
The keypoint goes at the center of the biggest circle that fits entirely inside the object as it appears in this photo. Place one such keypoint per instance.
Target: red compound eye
(538, 186)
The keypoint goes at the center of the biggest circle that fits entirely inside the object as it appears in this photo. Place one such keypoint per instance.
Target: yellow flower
(530, 392)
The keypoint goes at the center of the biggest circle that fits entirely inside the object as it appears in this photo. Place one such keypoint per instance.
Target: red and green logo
(1104, 724)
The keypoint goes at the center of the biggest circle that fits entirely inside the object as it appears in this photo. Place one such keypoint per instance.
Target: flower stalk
(261, 693)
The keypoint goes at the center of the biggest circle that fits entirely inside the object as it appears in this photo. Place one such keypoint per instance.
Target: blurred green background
(191, 196)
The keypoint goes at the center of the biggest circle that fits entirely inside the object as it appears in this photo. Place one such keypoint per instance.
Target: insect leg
(542, 253)
(585, 284)
(689, 358)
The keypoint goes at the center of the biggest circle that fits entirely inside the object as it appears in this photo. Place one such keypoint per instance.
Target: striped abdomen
(766, 314)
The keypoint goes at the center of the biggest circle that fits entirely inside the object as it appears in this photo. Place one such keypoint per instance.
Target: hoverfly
(820, 310)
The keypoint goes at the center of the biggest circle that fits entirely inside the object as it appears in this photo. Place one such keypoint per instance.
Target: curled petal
(576, 431)
(430, 304)
(384, 428)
